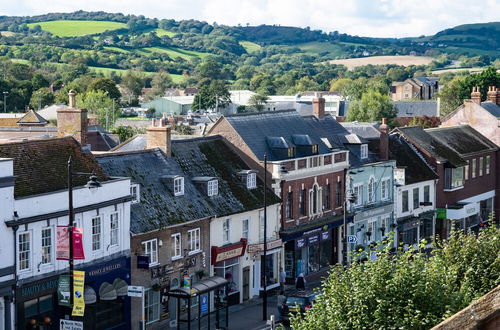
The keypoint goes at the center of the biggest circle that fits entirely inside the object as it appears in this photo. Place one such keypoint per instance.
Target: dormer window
(251, 180)
(364, 151)
(207, 184)
(135, 193)
(314, 149)
(213, 188)
(179, 186)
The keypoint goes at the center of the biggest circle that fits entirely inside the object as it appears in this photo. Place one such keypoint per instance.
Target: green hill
(67, 28)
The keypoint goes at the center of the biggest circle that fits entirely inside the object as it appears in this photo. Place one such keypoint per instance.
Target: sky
(373, 18)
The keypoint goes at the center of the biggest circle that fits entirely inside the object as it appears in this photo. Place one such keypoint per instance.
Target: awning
(89, 295)
(201, 287)
(107, 292)
(330, 222)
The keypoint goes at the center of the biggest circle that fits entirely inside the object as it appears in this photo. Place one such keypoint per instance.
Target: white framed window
(194, 240)
(372, 227)
(251, 180)
(24, 250)
(114, 224)
(473, 168)
(176, 246)
(178, 186)
(364, 151)
(96, 233)
(385, 189)
(135, 192)
(213, 187)
(488, 161)
(244, 228)
(358, 194)
(371, 190)
(152, 305)
(481, 166)
(225, 231)
(151, 250)
(46, 246)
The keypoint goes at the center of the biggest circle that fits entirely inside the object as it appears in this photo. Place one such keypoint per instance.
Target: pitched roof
(32, 118)
(492, 108)
(50, 112)
(367, 131)
(416, 108)
(9, 122)
(416, 168)
(255, 128)
(41, 165)
(99, 141)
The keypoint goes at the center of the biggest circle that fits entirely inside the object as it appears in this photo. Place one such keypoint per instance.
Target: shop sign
(440, 213)
(64, 291)
(70, 325)
(313, 239)
(399, 176)
(186, 281)
(258, 248)
(78, 299)
(143, 262)
(161, 271)
(228, 252)
(373, 212)
(135, 291)
(62, 243)
(300, 243)
(37, 289)
(467, 211)
(325, 235)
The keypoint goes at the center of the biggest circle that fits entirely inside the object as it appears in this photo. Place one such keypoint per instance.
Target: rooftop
(416, 108)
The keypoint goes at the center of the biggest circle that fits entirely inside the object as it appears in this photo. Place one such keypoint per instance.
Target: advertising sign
(204, 304)
(78, 300)
(64, 291)
(300, 243)
(70, 325)
(62, 243)
(78, 253)
(186, 281)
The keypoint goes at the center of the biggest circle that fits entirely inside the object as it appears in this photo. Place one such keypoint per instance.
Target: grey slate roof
(492, 108)
(254, 128)
(368, 131)
(137, 142)
(416, 108)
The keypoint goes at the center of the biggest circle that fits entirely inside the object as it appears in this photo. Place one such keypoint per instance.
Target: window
(416, 198)
(96, 233)
(176, 246)
(178, 186)
(364, 151)
(251, 180)
(314, 198)
(194, 240)
(338, 191)
(24, 251)
(358, 194)
(152, 305)
(466, 174)
(261, 225)
(113, 224)
(371, 190)
(291, 152)
(302, 202)
(488, 161)
(314, 149)
(289, 206)
(213, 188)
(404, 201)
(46, 246)
(314, 162)
(151, 250)
(135, 192)
(326, 197)
(427, 194)
(225, 231)
(454, 177)
(481, 159)
(244, 228)
(385, 189)
(473, 174)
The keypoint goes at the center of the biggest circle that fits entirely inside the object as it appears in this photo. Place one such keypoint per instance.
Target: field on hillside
(321, 48)
(64, 28)
(250, 46)
(174, 52)
(177, 78)
(351, 63)
(161, 32)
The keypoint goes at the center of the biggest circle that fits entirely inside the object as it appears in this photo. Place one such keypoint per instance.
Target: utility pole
(5, 101)
(264, 266)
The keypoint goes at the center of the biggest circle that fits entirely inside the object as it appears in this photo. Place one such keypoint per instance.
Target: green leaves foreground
(409, 289)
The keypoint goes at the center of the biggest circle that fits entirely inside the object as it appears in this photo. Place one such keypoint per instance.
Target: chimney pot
(318, 107)
(72, 99)
(476, 95)
(492, 94)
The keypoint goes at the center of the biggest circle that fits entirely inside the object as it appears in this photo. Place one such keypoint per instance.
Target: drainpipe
(8, 321)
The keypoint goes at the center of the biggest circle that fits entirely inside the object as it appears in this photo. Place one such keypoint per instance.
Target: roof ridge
(259, 113)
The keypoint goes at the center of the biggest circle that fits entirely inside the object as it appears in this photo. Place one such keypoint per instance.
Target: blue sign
(325, 235)
(313, 239)
(352, 239)
(204, 305)
(300, 243)
(143, 262)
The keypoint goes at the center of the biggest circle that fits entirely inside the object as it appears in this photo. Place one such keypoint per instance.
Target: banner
(78, 253)
(64, 291)
(62, 243)
(78, 300)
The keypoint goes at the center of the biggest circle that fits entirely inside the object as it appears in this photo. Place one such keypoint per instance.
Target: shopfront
(272, 260)
(411, 230)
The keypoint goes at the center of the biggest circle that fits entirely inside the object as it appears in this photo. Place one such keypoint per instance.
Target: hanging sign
(62, 243)
(64, 291)
(78, 299)
(186, 281)
(78, 253)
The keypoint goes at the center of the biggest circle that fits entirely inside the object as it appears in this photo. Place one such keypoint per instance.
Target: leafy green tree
(373, 106)
(161, 81)
(407, 290)
(41, 98)
(183, 129)
(100, 104)
(38, 81)
(133, 84)
(209, 68)
(258, 101)
(214, 95)
(126, 132)
(106, 85)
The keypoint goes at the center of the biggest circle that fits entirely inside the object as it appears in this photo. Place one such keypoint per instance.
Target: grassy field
(7, 33)
(316, 47)
(250, 46)
(161, 32)
(117, 49)
(177, 78)
(63, 28)
(351, 63)
(174, 52)
(471, 70)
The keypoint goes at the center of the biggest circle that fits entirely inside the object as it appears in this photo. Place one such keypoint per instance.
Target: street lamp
(91, 184)
(264, 267)
(5, 93)
(351, 198)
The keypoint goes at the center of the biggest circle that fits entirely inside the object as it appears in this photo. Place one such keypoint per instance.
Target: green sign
(441, 213)
(64, 291)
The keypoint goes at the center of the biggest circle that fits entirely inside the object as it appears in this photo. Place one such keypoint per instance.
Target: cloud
(376, 18)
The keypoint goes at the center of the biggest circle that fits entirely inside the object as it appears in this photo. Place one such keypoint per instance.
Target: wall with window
(413, 198)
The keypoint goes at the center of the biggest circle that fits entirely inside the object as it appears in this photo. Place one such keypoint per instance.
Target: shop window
(473, 169)
(179, 186)
(135, 193)
(302, 202)
(251, 180)
(481, 160)
(37, 306)
(176, 246)
(24, 250)
(326, 197)
(114, 228)
(244, 228)
(487, 163)
(152, 305)
(426, 229)
(194, 240)
(404, 201)
(416, 198)
(150, 249)
(271, 272)
(427, 194)
(96, 233)
(229, 269)
(46, 246)
(213, 188)
(371, 190)
(289, 206)
(225, 231)
(454, 177)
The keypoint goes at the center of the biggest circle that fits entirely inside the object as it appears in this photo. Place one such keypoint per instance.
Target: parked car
(297, 302)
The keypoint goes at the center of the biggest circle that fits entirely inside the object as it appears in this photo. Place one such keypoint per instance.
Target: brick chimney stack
(476, 95)
(159, 135)
(493, 94)
(73, 121)
(318, 106)
(384, 140)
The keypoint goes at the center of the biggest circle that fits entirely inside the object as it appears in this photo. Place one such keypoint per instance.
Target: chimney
(318, 106)
(159, 135)
(476, 95)
(72, 121)
(384, 140)
(492, 94)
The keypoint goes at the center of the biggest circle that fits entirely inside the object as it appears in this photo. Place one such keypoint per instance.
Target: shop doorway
(246, 283)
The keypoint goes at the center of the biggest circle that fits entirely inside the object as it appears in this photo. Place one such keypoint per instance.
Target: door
(246, 283)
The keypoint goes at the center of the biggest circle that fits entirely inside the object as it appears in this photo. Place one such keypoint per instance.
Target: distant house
(189, 91)
(28, 119)
(50, 112)
(421, 88)
(407, 110)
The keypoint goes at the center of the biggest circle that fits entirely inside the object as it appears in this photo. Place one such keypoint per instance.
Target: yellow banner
(78, 301)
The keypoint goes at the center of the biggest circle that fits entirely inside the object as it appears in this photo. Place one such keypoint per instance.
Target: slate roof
(254, 128)
(449, 144)
(416, 168)
(492, 108)
(416, 108)
(192, 158)
(41, 165)
(368, 131)
(32, 118)
(100, 141)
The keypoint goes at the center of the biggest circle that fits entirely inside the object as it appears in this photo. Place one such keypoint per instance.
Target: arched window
(314, 200)
(371, 190)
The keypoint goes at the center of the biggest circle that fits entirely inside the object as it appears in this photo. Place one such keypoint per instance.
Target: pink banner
(62, 243)
(78, 253)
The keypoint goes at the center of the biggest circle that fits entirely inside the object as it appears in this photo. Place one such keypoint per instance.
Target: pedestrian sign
(135, 291)
(351, 239)
(70, 325)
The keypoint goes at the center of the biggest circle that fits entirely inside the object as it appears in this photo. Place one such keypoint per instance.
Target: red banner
(62, 243)
(78, 253)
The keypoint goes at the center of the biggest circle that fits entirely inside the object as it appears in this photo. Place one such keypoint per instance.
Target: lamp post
(5, 93)
(348, 196)
(264, 267)
(92, 183)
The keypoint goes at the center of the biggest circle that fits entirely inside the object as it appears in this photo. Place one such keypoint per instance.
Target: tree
(161, 81)
(209, 68)
(373, 106)
(126, 132)
(213, 95)
(106, 85)
(133, 83)
(41, 98)
(407, 290)
(98, 103)
(257, 101)
(183, 129)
